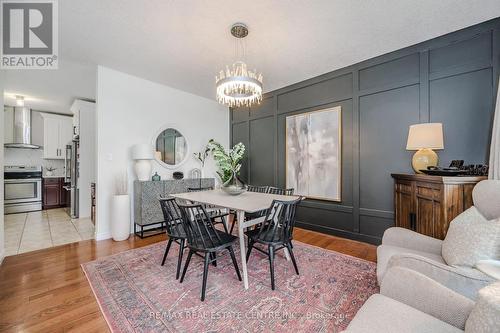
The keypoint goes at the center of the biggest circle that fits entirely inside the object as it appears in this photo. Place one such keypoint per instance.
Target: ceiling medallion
(236, 85)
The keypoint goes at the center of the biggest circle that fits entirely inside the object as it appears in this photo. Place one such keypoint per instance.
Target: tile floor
(26, 232)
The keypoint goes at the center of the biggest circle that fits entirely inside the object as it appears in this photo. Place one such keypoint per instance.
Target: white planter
(120, 217)
(143, 169)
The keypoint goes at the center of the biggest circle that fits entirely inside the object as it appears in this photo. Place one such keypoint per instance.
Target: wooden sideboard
(427, 204)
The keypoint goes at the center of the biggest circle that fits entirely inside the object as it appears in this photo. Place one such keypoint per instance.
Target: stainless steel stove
(22, 188)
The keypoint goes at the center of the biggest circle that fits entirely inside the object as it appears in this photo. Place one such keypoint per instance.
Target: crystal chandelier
(236, 85)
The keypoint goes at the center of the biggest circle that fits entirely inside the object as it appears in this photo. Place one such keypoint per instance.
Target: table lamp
(142, 154)
(424, 138)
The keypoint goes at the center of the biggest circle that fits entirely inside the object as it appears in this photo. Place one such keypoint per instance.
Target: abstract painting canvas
(313, 154)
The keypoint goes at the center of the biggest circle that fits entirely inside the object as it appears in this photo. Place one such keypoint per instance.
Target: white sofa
(405, 248)
(412, 302)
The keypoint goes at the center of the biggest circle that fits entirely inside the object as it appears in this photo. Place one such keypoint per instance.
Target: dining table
(247, 202)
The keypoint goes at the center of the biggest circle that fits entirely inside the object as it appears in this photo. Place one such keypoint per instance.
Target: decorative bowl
(234, 189)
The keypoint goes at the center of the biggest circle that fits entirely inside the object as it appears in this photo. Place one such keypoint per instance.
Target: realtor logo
(29, 34)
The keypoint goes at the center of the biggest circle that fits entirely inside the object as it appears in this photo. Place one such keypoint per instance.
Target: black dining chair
(216, 213)
(175, 229)
(250, 216)
(204, 238)
(275, 233)
(259, 189)
(280, 191)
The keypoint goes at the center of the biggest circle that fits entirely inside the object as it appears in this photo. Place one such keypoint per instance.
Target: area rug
(137, 294)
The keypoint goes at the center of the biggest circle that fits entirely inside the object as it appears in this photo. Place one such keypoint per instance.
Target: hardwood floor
(46, 290)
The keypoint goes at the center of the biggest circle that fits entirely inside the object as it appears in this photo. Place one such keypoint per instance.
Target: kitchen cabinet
(57, 133)
(54, 195)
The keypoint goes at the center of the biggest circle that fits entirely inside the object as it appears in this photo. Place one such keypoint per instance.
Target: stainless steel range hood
(18, 123)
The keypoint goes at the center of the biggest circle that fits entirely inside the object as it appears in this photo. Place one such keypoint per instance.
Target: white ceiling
(183, 43)
(51, 90)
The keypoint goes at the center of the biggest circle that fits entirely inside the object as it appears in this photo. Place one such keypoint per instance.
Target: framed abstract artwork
(314, 154)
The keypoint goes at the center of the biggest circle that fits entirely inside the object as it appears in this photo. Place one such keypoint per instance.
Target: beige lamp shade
(429, 135)
(142, 151)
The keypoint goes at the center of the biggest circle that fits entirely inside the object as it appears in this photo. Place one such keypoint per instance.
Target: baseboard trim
(2, 255)
(341, 233)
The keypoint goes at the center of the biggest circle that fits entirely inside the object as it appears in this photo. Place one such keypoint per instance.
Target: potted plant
(201, 157)
(120, 210)
(229, 164)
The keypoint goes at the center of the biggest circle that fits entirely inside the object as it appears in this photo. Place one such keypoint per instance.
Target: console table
(427, 204)
(148, 217)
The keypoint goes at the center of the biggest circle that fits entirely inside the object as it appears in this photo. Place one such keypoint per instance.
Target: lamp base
(424, 158)
(143, 169)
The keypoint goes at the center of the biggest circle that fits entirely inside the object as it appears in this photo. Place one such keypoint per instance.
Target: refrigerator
(71, 177)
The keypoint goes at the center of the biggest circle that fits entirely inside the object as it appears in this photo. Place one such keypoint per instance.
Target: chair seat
(217, 213)
(214, 244)
(177, 232)
(266, 238)
(383, 314)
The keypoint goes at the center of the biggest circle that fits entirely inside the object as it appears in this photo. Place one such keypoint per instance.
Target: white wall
(132, 110)
(2, 241)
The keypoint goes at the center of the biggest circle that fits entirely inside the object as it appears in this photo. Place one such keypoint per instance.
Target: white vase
(120, 217)
(143, 169)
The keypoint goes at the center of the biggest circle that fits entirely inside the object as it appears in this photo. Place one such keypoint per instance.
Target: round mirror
(171, 147)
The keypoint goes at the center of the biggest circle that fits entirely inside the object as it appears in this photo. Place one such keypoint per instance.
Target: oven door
(22, 190)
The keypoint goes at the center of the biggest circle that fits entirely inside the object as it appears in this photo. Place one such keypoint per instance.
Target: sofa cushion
(383, 314)
(489, 267)
(485, 197)
(471, 238)
(485, 316)
(385, 252)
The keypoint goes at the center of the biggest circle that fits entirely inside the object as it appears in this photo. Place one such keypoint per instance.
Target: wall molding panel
(449, 79)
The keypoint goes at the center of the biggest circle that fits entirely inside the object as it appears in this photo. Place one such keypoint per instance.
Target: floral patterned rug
(137, 294)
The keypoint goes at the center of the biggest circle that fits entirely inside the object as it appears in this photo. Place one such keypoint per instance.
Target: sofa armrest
(411, 240)
(424, 294)
(465, 281)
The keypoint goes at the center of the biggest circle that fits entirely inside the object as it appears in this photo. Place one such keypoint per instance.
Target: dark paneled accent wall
(449, 79)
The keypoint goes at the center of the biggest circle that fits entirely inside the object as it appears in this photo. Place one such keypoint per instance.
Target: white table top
(249, 202)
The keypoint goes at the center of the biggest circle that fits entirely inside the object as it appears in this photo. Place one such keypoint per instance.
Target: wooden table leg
(287, 255)
(241, 235)
(225, 220)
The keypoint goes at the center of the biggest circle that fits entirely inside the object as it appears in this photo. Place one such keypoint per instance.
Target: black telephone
(457, 164)
(454, 165)
(456, 168)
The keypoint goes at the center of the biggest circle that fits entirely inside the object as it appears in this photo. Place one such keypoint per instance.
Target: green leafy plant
(228, 161)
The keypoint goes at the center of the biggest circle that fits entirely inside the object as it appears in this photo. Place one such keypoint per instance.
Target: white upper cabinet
(66, 131)
(57, 133)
